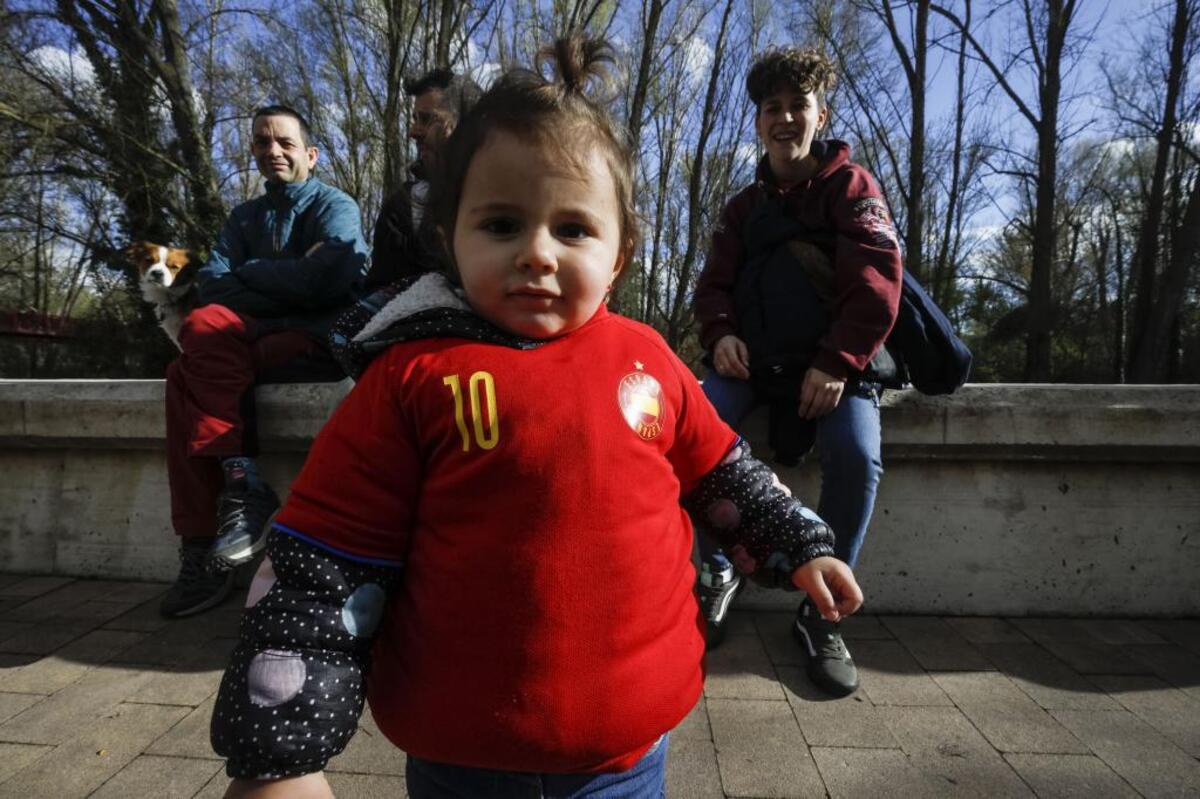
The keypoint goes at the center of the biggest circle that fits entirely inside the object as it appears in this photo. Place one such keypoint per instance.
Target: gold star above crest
(639, 365)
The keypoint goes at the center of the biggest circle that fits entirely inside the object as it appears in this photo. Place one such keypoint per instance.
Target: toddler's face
(536, 241)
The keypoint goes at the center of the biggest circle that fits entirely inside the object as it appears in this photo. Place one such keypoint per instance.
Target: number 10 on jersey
(485, 425)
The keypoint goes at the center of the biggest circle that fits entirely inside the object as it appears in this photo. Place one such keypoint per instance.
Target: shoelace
(233, 511)
(826, 639)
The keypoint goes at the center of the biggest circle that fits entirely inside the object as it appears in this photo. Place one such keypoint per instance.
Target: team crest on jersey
(641, 400)
(872, 214)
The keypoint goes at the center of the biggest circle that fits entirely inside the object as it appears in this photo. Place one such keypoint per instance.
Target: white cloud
(697, 59)
(70, 69)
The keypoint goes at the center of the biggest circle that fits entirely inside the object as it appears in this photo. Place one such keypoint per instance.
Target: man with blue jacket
(284, 266)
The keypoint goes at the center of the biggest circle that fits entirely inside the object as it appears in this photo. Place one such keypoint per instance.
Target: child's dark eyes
(572, 230)
(499, 227)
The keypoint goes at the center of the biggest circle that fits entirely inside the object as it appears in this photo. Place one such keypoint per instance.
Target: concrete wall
(1003, 499)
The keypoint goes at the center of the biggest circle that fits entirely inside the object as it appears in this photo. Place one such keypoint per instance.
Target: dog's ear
(139, 252)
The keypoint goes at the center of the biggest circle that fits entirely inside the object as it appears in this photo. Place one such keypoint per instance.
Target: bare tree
(1046, 42)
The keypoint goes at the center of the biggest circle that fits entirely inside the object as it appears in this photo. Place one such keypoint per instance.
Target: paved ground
(99, 697)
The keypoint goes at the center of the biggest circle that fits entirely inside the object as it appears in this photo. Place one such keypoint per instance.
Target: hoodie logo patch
(641, 400)
(871, 214)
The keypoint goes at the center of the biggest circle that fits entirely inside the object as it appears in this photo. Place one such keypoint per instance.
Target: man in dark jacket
(283, 267)
(401, 244)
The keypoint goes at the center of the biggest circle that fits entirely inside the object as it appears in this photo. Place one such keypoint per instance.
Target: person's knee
(208, 323)
(851, 459)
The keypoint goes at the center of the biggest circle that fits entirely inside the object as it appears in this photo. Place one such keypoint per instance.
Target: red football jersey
(546, 620)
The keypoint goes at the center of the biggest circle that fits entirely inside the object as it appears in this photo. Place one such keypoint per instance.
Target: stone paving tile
(943, 745)
(10, 662)
(82, 764)
(369, 752)
(58, 718)
(1168, 710)
(1046, 679)
(112, 591)
(42, 639)
(10, 628)
(740, 669)
(159, 777)
(1011, 721)
(760, 751)
(1119, 631)
(70, 663)
(692, 771)
(775, 632)
(32, 586)
(986, 630)
(12, 704)
(215, 789)
(143, 618)
(849, 722)
(1076, 647)
(1070, 776)
(62, 605)
(740, 622)
(188, 738)
(694, 724)
(1183, 632)
(1171, 663)
(367, 786)
(890, 676)
(187, 641)
(854, 773)
(14, 757)
(179, 686)
(934, 644)
(1133, 749)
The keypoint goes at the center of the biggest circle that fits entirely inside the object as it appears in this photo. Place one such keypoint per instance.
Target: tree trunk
(1145, 351)
(207, 210)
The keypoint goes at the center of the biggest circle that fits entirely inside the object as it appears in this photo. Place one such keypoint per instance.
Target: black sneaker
(243, 518)
(829, 665)
(716, 591)
(199, 585)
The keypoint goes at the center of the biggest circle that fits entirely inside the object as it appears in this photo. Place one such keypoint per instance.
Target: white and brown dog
(167, 277)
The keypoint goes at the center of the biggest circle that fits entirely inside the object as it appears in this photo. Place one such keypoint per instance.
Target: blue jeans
(848, 440)
(646, 779)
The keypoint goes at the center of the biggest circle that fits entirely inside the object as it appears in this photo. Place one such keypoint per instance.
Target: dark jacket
(401, 246)
(259, 266)
(843, 213)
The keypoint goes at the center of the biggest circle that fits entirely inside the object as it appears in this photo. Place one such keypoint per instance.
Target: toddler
(508, 480)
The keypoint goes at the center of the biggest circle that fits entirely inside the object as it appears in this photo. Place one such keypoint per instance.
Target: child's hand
(831, 586)
(309, 786)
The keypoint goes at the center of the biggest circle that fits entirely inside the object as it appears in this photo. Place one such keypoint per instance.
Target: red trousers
(210, 395)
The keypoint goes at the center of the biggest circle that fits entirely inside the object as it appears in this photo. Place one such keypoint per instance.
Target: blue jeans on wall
(646, 779)
(848, 440)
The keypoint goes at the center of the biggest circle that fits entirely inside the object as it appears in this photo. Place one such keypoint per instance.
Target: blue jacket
(259, 267)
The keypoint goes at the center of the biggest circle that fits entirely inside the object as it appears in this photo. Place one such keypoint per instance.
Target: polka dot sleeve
(295, 686)
(743, 504)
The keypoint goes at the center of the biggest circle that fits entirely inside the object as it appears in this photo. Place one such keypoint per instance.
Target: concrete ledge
(1003, 499)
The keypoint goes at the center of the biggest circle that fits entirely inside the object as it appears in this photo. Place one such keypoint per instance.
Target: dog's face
(157, 265)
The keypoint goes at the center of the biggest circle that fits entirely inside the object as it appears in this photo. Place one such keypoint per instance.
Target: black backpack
(782, 306)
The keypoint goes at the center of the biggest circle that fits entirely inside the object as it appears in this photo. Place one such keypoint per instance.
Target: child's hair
(801, 70)
(558, 112)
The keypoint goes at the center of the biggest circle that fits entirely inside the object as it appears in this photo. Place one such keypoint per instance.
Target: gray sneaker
(243, 520)
(716, 590)
(199, 586)
(828, 661)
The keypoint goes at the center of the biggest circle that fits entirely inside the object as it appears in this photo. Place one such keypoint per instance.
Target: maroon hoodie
(846, 216)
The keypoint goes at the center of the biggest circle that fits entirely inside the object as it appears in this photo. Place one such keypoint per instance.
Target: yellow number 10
(483, 439)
